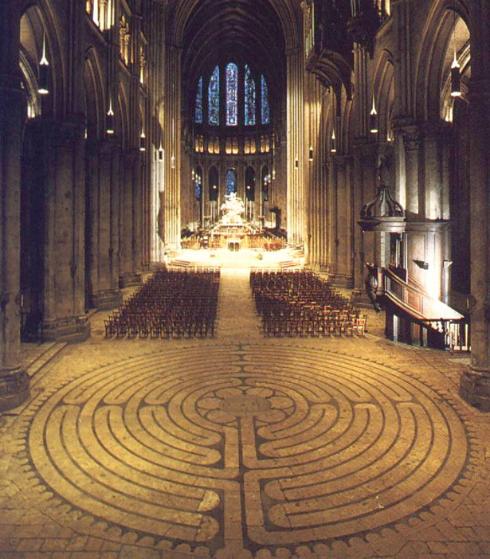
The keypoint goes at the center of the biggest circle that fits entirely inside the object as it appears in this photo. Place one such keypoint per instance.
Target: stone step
(48, 352)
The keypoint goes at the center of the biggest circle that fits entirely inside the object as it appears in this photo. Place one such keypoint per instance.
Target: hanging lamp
(373, 119)
(110, 120)
(43, 85)
(333, 142)
(455, 67)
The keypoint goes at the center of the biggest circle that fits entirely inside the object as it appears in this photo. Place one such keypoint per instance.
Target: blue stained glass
(198, 185)
(231, 185)
(231, 94)
(249, 97)
(266, 110)
(213, 98)
(199, 112)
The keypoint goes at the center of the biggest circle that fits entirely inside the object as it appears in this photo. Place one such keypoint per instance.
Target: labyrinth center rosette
(300, 446)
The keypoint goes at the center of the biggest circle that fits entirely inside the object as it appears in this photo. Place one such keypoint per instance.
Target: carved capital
(412, 137)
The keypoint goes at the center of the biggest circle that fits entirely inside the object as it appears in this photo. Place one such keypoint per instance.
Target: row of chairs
(299, 303)
(328, 326)
(172, 304)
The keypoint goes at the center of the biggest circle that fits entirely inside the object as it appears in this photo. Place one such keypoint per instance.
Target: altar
(232, 230)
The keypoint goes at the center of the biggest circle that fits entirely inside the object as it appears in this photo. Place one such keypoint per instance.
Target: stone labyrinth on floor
(243, 447)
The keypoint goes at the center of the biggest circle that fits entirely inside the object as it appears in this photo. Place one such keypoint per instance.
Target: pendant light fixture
(373, 119)
(333, 142)
(109, 125)
(455, 67)
(142, 141)
(43, 85)
(455, 78)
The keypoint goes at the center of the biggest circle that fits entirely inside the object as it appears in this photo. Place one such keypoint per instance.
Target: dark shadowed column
(475, 384)
(14, 383)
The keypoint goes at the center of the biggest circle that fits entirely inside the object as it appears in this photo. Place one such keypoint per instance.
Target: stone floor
(244, 447)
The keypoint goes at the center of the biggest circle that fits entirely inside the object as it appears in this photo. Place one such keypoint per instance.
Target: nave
(144, 415)
(243, 446)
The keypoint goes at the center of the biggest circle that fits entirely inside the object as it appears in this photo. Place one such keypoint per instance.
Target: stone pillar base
(14, 388)
(129, 279)
(475, 388)
(360, 299)
(71, 329)
(107, 299)
(341, 280)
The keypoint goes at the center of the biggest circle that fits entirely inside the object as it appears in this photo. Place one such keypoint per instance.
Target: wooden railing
(438, 324)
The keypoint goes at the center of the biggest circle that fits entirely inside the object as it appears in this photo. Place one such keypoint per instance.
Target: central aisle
(237, 319)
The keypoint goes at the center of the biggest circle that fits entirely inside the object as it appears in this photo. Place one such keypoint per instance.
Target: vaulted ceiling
(241, 30)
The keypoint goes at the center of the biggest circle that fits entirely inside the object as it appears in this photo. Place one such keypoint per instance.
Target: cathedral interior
(244, 279)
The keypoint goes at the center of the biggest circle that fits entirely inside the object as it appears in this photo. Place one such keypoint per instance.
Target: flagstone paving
(245, 447)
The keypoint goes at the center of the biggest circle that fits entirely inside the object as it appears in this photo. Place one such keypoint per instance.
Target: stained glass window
(231, 185)
(249, 97)
(231, 94)
(198, 185)
(199, 112)
(213, 98)
(266, 110)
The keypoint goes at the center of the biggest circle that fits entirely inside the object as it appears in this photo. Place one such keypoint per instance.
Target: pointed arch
(384, 93)
(40, 22)
(95, 98)
(433, 59)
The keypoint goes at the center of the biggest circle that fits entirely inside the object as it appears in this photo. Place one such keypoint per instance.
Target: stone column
(436, 153)
(363, 173)
(401, 16)
(105, 289)
(62, 155)
(343, 218)
(115, 246)
(138, 192)
(475, 383)
(363, 191)
(412, 140)
(296, 197)
(14, 382)
(172, 135)
(129, 175)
